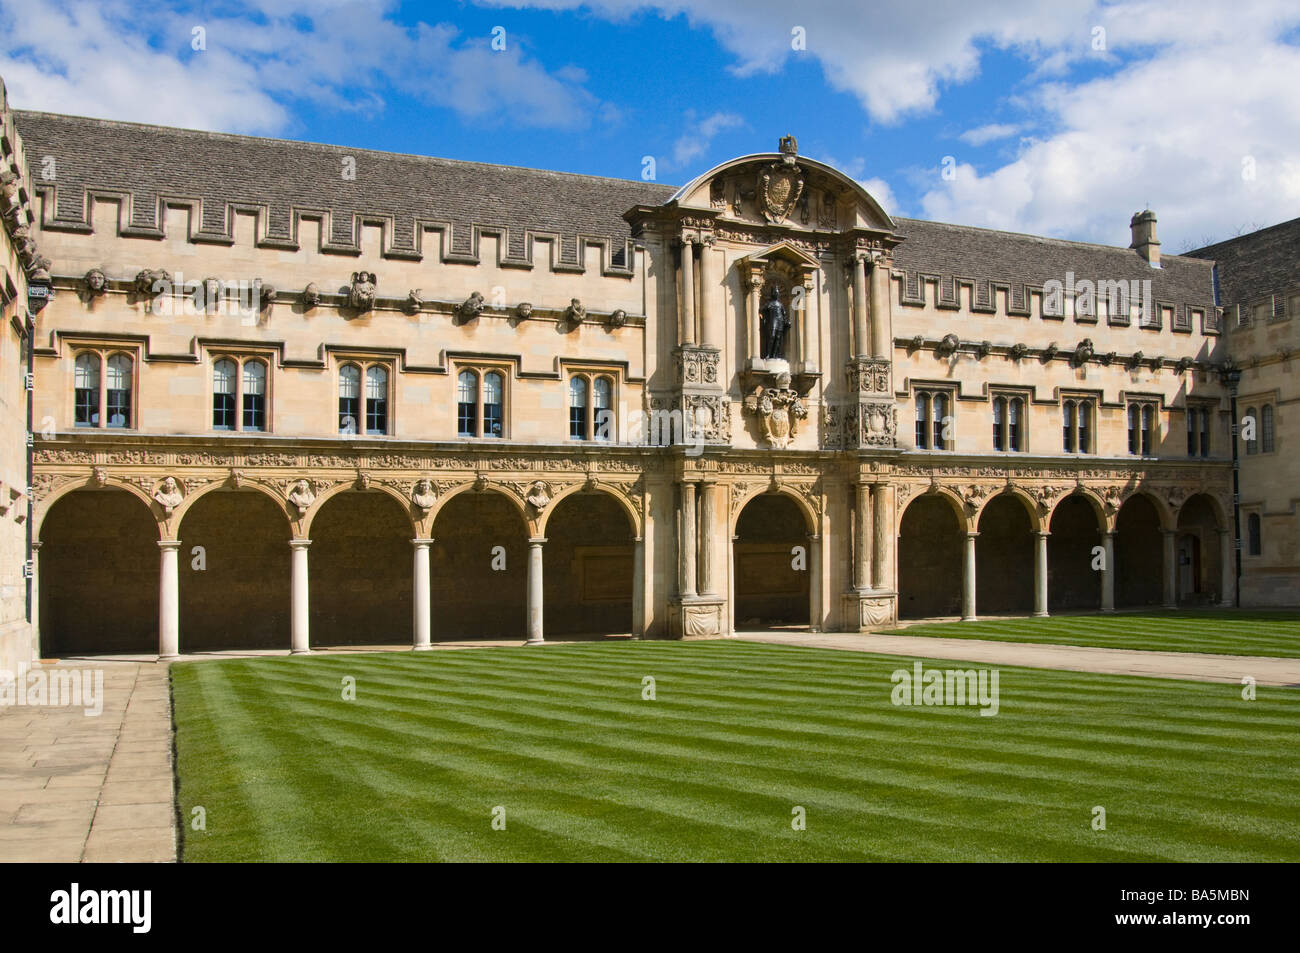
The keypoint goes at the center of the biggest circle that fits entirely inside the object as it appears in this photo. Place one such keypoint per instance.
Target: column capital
(169, 545)
(1042, 533)
(299, 543)
(971, 534)
(536, 540)
(422, 541)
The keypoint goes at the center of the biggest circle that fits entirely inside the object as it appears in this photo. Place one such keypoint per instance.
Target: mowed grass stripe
(841, 773)
(1234, 632)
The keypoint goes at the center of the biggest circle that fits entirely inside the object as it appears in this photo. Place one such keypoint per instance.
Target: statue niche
(774, 324)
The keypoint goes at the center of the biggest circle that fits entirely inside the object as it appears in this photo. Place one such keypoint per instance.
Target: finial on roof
(789, 148)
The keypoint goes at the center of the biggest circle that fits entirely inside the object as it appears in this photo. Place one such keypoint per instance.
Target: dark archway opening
(1197, 551)
(1004, 558)
(587, 580)
(236, 596)
(1073, 585)
(479, 569)
(1139, 554)
(361, 571)
(772, 566)
(929, 560)
(98, 575)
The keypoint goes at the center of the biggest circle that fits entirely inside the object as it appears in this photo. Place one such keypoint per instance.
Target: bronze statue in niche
(774, 323)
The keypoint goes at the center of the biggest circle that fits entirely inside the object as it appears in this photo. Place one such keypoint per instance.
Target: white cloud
(259, 58)
(981, 135)
(699, 135)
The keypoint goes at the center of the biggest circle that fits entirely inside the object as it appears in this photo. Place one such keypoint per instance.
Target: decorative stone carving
(826, 215)
(1134, 361)
(1106, 359)
(147, 282)
(1050, 352)
(1083, 352)
(781, 184)
(524, 310)
(363, 480)
(539, 495)
(414, 301)
(237, 478)
(948, 346)
(1185, 364)
(470, 308)
(169, 495)
(778, 409)
(697, 365)
(38, 270)
(710, 416)
(1018, 351)
(916, 343)
(424, 495)
(361, 293)
(972, 495)
(718, 193)
(94, 282)
(265, 294)
(301, 496)
(617, 319)
(868, 376)
(983, 349)
(99, 475)
(574, 314)
(310, 296)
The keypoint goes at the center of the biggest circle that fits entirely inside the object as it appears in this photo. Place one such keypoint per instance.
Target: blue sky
(1058, 119)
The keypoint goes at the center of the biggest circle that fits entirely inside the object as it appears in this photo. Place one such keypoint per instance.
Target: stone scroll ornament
(778, 411)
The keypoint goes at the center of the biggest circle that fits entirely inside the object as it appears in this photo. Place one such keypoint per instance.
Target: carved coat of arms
(779, 410)
(780, 184)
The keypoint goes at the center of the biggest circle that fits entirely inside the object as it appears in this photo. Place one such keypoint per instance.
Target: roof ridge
(20, 114)
(1239, 238)
(1038, 238)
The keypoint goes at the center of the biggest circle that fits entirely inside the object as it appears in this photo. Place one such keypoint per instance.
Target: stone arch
(1004, 556)
(350, 486)
(360, 562)
(1015, 492)
(589, 556)
(476, 589)
(56, 493)
(97, 580)
(785, 490)
(1166, 514)
(245, 485)
(1139, 552)
(949, 496)
(234, 594)
(931, 536)
(1198, 552)
(1076, 524)
(612, 490)
(473, 486)
(772, 583)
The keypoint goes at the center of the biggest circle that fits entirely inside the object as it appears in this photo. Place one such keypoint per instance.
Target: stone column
(1227, 568)
(755, 282)
(815, 611)
(731, 585)
(882, 495)
(860, 343)
(169, 600)
(299, 640)
(1170, 595)
(801, 324)
(1108, 572)
(686, 331)
(710, 325)
(968, 579)
(863, 537)
(36, 599)
(422, 620)
(686, 545)
(880, 319)
(638, 588)
(1040, 573)
(535, 591)
(708, 580)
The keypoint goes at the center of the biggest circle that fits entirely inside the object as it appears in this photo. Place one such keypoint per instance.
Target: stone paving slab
(92, 789)
(1073, 658)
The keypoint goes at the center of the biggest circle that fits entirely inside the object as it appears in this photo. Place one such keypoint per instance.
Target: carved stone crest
(781, 184)
(778, 410)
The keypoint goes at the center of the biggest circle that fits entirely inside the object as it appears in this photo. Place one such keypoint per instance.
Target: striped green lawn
(738, 735)
(1220, 632)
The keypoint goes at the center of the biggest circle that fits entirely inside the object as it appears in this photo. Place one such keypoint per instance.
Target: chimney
(1143, 225)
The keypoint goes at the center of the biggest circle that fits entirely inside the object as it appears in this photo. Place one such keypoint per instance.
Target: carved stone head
(95, 282)
(361, 296)
(310, 296)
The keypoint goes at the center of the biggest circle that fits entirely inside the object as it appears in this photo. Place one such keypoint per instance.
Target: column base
(168, 658)
(970, 618)
(1040, 615)
(300, 651)
(421, 648)
(698, 617)
(535, 642)
(865, 609)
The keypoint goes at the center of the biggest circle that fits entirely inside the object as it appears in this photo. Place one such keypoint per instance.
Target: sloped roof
(1262, 263)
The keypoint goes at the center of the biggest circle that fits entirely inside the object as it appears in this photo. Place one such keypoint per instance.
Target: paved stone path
(1196, 667)
(90, 788)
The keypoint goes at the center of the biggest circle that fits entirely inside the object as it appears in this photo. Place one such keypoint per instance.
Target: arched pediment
(785, 189)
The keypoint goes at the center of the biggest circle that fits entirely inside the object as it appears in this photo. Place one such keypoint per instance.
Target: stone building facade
(308, 395)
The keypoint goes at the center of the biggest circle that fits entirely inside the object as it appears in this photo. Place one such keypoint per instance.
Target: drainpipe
(1230, 375)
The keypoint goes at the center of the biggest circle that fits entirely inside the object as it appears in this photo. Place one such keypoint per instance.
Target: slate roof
(1016, 260)
(155, 162)
(1262, 263)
